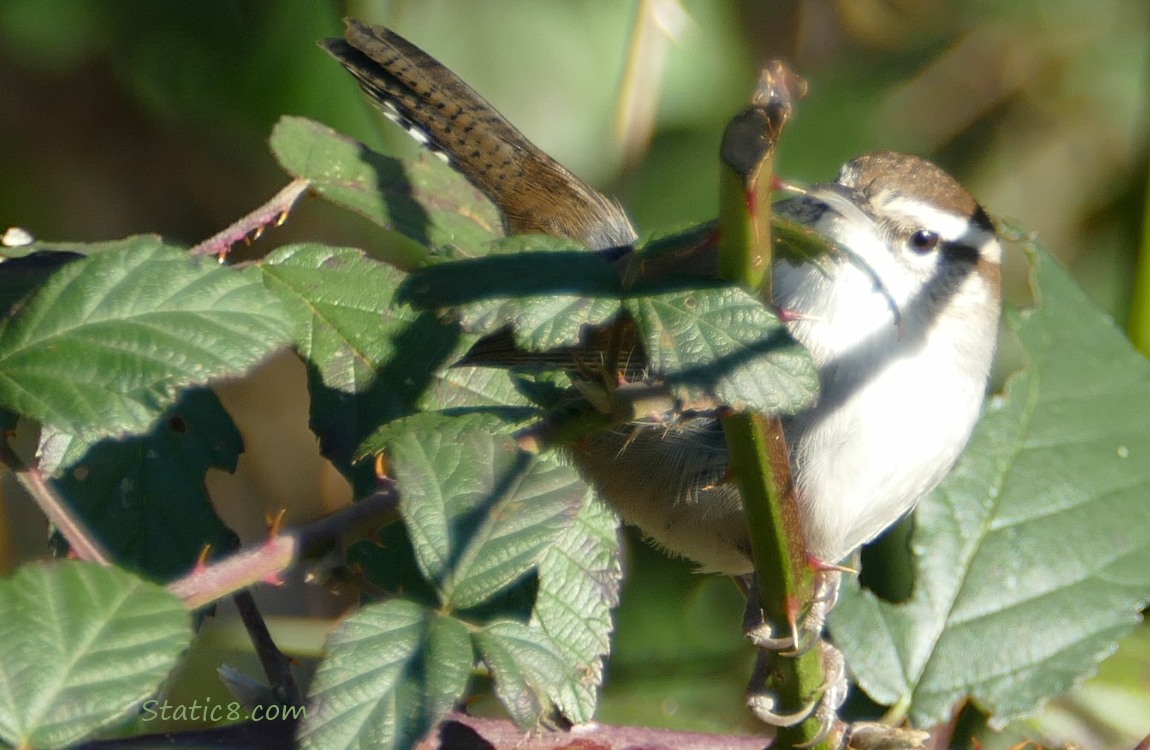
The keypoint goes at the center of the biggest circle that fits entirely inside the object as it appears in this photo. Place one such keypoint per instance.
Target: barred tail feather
(533, 192)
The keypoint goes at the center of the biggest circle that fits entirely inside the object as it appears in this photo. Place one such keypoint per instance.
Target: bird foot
(824, 706)
(804, 631)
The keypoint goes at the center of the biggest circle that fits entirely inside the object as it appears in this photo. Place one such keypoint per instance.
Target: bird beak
(838, 200)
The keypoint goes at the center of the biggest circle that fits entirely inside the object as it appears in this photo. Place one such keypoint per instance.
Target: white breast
(898, 399)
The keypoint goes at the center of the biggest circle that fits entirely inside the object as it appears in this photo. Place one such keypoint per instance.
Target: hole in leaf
(887, 564)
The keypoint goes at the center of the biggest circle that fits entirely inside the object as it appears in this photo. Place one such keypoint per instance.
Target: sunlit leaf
(81, 647)
(423, 200)
(479, 511)
(527, 668)
(544, 289)
(393, 670)
(721, 343)
(110, 341)
(579, 579)
(369, 359)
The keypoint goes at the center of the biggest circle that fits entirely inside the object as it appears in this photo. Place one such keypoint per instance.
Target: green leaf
(579, 579)
(368, 358)
(145, 496)
(81, 646)
(527, 667)
(111, 340)
(545, 289)
(495, 419)
(393, 670)
(722, 343)
(422, 200)
(479, 388)
(1033, 557)
(535, 504)
(479, 510)
(571, 597)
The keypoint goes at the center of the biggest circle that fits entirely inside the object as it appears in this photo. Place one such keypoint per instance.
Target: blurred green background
(129, 116)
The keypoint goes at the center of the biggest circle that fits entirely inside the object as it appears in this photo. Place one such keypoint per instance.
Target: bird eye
(923, 241)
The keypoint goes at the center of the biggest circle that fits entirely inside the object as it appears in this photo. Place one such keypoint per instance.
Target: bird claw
(763, 705)
(830, 696)
(762, 638)
(805, 633)
(824, 706)
(828, 583)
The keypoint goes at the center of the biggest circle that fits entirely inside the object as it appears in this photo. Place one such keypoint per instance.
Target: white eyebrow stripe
(949, 225)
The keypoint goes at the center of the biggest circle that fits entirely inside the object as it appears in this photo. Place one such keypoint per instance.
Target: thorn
(798, 646)
(728, 477)
(281, 218)
(202, 560)
(793, 622)
(381, 467)
(823, 566)
(788, 316)
(275, 525)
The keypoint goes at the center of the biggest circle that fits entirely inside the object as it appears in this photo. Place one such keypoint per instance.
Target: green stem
(1139, 321)
(743, 258)
(785, 582)
(760, 461)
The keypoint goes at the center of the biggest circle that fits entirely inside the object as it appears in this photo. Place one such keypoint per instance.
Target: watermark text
(210, 711)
